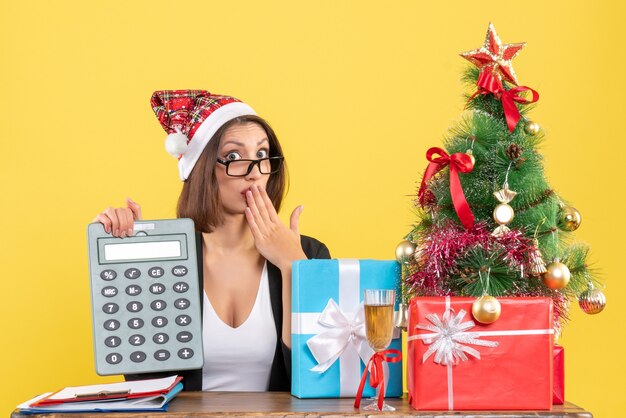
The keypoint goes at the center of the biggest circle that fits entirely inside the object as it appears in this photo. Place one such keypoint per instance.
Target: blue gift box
(327, 315)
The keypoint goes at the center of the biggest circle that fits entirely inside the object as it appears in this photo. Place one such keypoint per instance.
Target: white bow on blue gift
(344, 331)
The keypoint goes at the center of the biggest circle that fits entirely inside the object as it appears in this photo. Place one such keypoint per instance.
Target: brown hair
(199, 199)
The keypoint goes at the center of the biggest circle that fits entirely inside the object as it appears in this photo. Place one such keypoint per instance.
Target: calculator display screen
(142, 250)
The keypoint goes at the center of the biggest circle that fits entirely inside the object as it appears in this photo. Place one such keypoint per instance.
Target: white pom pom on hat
(176, 143)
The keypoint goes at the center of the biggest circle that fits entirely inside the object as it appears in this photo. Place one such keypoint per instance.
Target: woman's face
(241, 141)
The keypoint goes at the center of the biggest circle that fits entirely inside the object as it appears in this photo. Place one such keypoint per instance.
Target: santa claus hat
(191, 118)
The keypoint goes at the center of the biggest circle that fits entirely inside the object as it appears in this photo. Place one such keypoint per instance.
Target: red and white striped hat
(191, 118)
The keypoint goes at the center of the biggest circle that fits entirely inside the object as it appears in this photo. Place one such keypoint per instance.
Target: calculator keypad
(110, 308)
(158, 305)
(157, 288)
(156, 272)
(179, 271)
(135, 323)
(136, 339)
(134, 306)
(146, 314)
(181, 287)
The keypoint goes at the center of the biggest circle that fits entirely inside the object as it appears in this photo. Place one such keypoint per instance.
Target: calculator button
(180, 287)
(181, 303)
(132, 273)
(160, 338)
(156, 272)
(138, 356)
(184, 336)
(161, 355)
(185, 353)
(136, 339)
(183, 320)
(159, 321)
(108, 275)
(110, 308)
(111, 325)
(109, 291)
(134, 306)
(113, 358)
(133, 290)
(158, 305)
(179, 271)
(157, 288)
(135, 323)
(112, 341)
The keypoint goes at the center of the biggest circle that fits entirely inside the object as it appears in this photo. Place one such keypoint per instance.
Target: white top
(239, 359)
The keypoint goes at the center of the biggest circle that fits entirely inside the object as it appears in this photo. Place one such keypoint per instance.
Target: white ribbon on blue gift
(343, 330)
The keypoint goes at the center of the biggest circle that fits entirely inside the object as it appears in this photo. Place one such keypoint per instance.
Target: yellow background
(357, 91)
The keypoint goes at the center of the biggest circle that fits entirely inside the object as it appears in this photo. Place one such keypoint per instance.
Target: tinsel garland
(442, 247)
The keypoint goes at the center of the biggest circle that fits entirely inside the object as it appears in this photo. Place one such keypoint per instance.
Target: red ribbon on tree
(488, 84)
(375, 367)
(458, 162)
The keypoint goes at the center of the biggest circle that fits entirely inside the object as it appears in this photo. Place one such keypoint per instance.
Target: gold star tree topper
(495, 57)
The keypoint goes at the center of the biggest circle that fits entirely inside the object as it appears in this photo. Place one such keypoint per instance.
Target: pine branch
(484, 272)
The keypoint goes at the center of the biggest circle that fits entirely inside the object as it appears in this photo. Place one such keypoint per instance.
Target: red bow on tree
(458, 162)
(375, 367)
(488, 84)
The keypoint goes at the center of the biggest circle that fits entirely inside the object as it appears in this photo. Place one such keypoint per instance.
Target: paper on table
(139, 386)
(152, 403)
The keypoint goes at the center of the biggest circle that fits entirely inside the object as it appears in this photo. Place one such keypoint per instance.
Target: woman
(232, 166)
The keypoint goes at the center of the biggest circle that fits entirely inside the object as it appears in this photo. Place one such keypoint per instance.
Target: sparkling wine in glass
(379, 305)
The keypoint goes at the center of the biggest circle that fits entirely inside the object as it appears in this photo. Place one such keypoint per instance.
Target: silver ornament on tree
(592, 301)
(404, 252)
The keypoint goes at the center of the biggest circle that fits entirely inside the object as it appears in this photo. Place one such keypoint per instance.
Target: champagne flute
(379, 305)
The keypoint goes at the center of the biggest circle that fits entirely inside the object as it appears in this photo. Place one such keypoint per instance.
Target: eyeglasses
(241, 168)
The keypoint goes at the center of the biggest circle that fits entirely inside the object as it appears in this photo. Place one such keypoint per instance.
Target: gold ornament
(569, 218)
(557, 275)
(401, 318)
(503, 213)
(404, 250)
(537, 265)
(420, 255)
(532, 128)
(471, 155)
(592, 301)
(486, 309)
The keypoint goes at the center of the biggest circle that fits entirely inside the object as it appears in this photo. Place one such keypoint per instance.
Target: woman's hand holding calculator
(120, 221)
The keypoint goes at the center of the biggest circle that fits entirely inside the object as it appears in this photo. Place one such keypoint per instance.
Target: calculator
(145, 298)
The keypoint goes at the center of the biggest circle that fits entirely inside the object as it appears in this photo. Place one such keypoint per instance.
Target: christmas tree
(489, 224)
